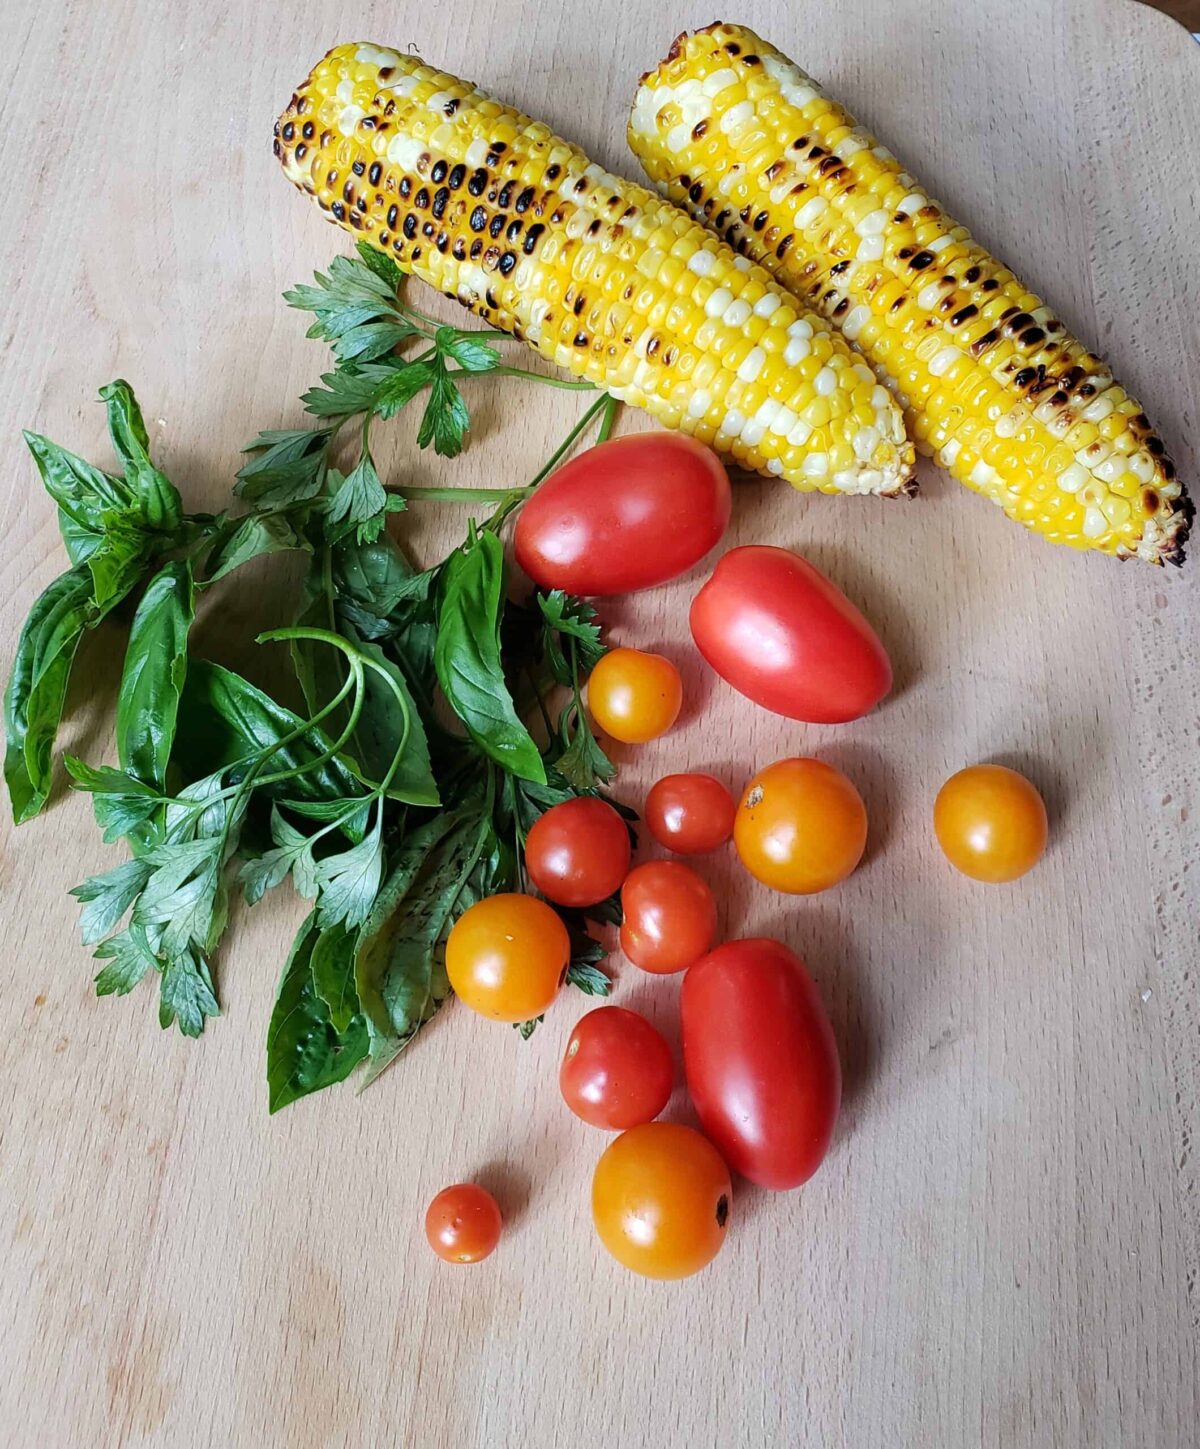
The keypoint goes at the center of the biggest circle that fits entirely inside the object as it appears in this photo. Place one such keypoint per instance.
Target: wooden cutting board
(1002, 1248)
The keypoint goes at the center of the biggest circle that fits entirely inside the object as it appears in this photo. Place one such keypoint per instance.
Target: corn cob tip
(992, 383)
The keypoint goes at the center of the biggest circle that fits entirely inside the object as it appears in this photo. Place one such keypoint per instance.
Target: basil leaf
(37, 687)
(381, 727)
(224, 719)
(118, 562)
(399, 967)
(333, 974)
(155, 495)
(84, 495)
(305, 1051)
(467, 657)
(152, 680)
(376, 576)
(248, 538)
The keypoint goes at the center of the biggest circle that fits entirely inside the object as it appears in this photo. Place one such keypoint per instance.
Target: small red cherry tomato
(577, 853)
(761, 1061)
(617, 1071)
(625, 515)
(463, 1223)
(669, 917)
(786, 637)
(690, 814)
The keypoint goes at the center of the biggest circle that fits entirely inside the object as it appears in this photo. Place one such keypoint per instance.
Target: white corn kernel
(775, 466)
(718, 302)
(816, 465)
(873, 224)
(1097, 411)
(768, 305)
(825, 382)
(717, 81)
(733, 422)
(1111, 469)
(796, 350)
(699, 403)
(944, 361)
(929, 296)
(1072, 479)
(752, 434)
(1094, 523)
(799, 433)
(701, 263)
(737, 116)
(870, 249)
(856, 318)
(810, 212)
(737, 314)
(752, 364)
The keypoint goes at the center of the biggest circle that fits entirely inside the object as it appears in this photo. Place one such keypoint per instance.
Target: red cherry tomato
(463, 1223)
(669, 917)
(777, 630)
(578, 852)
(761, 1061)
(625, 515)
(617, 1071)
(690, 814)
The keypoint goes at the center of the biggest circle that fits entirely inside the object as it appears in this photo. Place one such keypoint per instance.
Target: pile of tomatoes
(759, 1055)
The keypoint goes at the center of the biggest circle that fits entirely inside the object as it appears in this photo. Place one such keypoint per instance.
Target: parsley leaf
(468, 351)
(446, 419)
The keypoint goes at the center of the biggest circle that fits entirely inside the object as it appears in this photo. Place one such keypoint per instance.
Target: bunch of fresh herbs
(401, 792)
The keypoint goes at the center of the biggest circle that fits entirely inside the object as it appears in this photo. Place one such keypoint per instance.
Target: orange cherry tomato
(801, 826)
(577, 853)
(463, 1223)
(690, 814)
(506, 957)
(617, 1070)
(991, 823)
(660, 1200)
(669, 917)
(634, 697)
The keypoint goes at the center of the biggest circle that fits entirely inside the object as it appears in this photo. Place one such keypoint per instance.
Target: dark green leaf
(247, 538)
(305, 1052)
(107, 897)
(376, 576)
(400, 968)
(390, 715)
(353, 819)
(445, 420)
(381, 264)
(288, 467)
(372, 340)
(581, 762)
(186, 994)
(588, 978)
(406, 381)
(333, 974)
(467, 657)
(575, 620)
(351, 389)
(360, 500)
(118, 562)
(225, 720)
(37, 687)
(352, 292)
(471, 354)
(121, 804)
(526, 1029)
(129, 957)
(84, 494)
(157, 499)
(152, 680)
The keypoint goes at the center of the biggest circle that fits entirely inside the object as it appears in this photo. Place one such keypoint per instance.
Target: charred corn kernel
(600, 276)
(990, 379)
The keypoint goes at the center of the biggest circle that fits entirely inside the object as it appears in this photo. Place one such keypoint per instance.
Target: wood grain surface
(1003, 1247)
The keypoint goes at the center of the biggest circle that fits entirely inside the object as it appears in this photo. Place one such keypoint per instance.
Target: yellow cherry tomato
(634, 697)
(660, 1200)
(801, 826)
(991, 823)
(506, 957)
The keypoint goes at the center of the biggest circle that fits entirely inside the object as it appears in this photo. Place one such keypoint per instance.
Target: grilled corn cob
(992, 383)
(600, 276)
